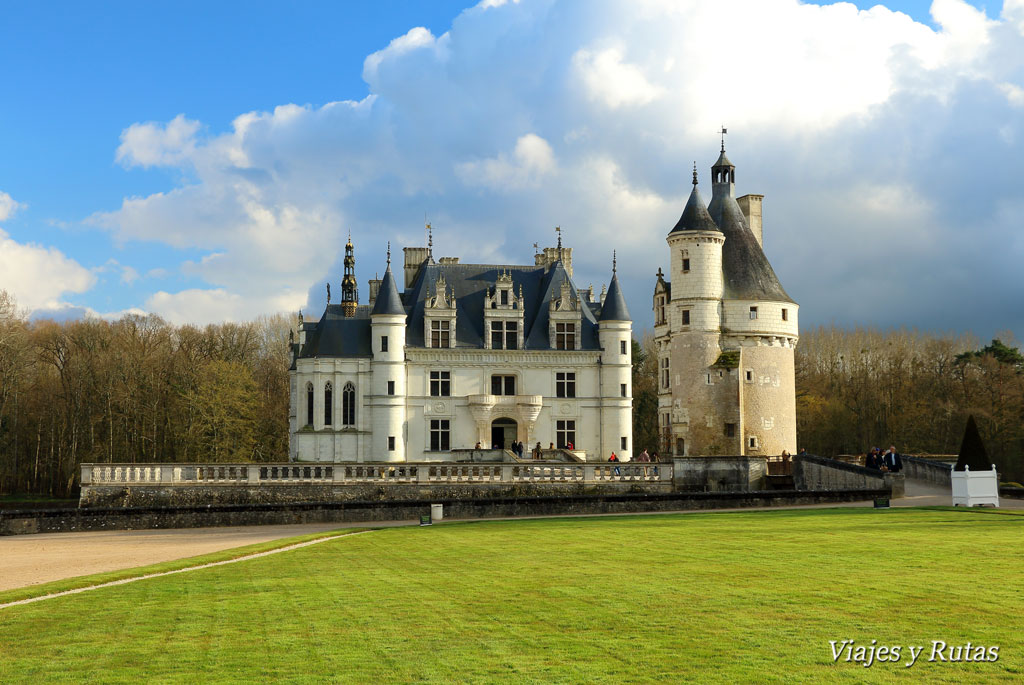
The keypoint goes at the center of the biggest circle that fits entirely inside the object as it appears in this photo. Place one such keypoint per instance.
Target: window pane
(495, 385)
(510, 385)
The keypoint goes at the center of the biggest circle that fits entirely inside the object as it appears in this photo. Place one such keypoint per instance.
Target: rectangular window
(440, 333)
(503, 385)
(383, 343)
(750, 376)
(440, 383)
(391, 387)
(565, 434)
(753, 312)
(686, 266)
(504, 297)
(707, 377)
(686, 317)
(565, 384)
(660, 310)
(752, 442)
(730, 430)
(440, 435)
(785, 314)
(622, 347)
(664, 373)
(565, 336)
(504, 335)
(624, 443)
(622, 389)
(391, 443)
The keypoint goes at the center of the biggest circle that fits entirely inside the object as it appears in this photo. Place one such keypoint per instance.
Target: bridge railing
(380, 473)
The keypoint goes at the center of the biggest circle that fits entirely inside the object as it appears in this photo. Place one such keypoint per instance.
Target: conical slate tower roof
(695, 215)
(972, 450)
(748, 275)
(614, 308)
(388, 301)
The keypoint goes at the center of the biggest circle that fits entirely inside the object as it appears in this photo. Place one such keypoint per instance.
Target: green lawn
(727, 597)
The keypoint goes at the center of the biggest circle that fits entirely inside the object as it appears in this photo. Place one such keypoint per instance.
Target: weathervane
(724, 131)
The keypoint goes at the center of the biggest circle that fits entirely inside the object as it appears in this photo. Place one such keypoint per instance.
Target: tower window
(785, 314)
(752, 442)
(624, 443)
(391, 387)
(565, 384)
(686, 266)
(440, 435)
(659, 310)
(686, 317)
(440, 383)
(391, 443)
(750, 376)
(730, 430)
(753, 312)
(383, 343)
(622, 347)
(664, 373)
(623, 390)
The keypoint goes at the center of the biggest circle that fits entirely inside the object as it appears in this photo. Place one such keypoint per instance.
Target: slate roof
(388, 301)
(695, 215)
(337, 336)
(614, 308)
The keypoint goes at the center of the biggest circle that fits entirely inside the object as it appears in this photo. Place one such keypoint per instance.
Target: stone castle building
(725, 331)
(466, 354)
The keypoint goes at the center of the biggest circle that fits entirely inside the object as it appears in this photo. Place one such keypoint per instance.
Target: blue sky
(133, 178)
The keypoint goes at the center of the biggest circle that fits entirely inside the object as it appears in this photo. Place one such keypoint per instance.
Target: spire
(614, 306)
(388, 300)
(695, 215)
(613, 262)
(349, 289)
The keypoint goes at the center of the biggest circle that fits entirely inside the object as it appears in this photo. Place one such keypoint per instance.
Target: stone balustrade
(376, 473)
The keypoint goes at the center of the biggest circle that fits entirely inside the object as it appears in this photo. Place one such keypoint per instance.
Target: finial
(724, 131)
(695, 173)
(430, 240)
(389, 254)
(328, 293)
(558, 230)
(536, 248)
(613, 262)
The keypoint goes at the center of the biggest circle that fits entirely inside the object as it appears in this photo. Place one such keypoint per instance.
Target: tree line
(136, 390)
(142, 390)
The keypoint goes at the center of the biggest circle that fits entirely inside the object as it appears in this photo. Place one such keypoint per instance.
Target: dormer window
(565, 336)
(504, 296)
(565, 319)
(439, 316)
(504, 335)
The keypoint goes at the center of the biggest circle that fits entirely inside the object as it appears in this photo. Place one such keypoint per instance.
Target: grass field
(727, 597)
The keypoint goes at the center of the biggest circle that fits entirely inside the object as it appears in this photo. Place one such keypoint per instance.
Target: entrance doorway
(503, 433)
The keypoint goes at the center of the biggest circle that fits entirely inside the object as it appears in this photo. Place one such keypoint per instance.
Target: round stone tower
(388, 393)
(615, 334)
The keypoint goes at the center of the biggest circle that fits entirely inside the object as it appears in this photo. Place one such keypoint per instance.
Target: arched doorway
(504, 432)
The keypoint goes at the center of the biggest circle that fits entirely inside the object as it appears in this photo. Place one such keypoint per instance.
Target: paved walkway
(33, 559)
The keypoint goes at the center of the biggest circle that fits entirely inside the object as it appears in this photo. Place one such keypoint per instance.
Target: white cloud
(613, 82)
(8, 206)
(864, 128)
(152, 144)
(37, 275)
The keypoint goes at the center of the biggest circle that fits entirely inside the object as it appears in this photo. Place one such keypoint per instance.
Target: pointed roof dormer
(614, 308)
(695, 215)
(388, 300)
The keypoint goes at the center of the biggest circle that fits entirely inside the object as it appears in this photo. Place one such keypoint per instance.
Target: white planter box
(975, 488)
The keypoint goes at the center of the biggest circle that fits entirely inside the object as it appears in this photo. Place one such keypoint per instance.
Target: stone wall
(937, 472)
(821, 473)
(157, 495)
(129, 518)
(718, 474)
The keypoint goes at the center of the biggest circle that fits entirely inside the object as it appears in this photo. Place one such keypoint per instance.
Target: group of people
(889, 460)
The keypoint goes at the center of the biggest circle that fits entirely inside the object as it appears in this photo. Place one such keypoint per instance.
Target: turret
(387, 323)
(615, 333)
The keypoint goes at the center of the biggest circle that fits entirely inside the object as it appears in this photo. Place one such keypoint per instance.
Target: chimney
(750, 205)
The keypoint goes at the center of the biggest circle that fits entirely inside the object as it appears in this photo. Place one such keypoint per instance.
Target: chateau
(466, 355)
(725, 331)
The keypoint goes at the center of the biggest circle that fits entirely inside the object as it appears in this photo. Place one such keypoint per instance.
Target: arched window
(328, 403)
(348, 405)
(309, 404)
